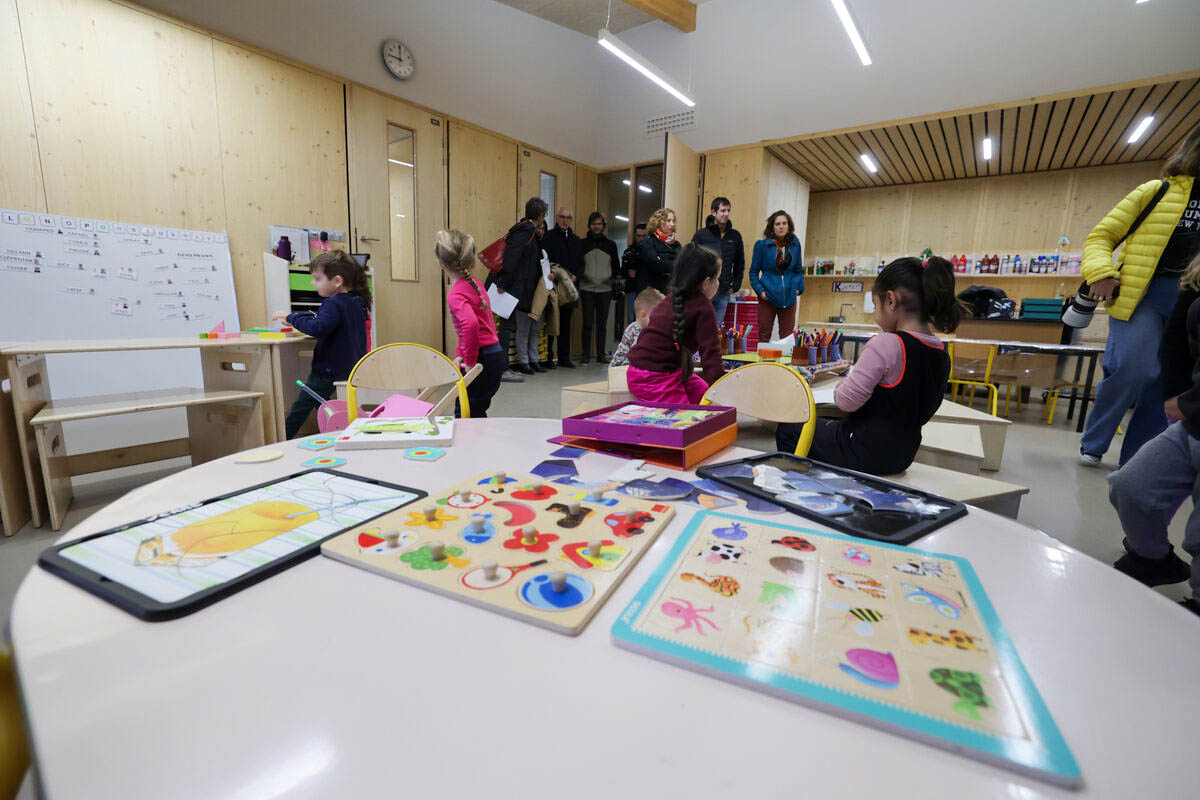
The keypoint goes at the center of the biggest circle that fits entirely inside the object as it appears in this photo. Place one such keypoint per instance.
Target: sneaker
(1089, 459)
(1154, 571)
(512, 377)
(1191, 604)
(536, 367)
(551, 364)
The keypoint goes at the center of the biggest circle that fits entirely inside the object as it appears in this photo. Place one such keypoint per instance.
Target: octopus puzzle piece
(324, 461)
(872, 667)
(431, 517)
(424, 453)
(723, 585)
(583, 555)
(541, 592)
(573, 513)
(315, 443)
(966, 686)
(427, 557)
(689, 615)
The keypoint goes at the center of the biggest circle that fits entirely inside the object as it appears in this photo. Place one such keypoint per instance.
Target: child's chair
(973, 368)
(409, 367)
(768, 391)
(14, 748)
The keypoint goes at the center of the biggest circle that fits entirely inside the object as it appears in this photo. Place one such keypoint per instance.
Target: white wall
(476, 59)
(787, 191)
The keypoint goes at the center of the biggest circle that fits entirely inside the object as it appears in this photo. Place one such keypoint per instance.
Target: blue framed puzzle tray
(901, 639)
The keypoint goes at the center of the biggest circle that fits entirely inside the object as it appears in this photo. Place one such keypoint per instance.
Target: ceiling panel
(1083, 130)
(585, 16)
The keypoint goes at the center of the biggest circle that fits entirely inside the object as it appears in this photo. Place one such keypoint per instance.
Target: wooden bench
(992, 430)
(956, 447)
(986, 493)
(590, 396)
(220, 422)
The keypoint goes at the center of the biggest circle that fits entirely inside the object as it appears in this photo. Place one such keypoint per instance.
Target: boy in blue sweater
(339, 326)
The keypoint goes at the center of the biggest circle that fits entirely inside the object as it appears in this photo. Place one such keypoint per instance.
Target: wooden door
(409, 304)
(681, 185)
(536, 164)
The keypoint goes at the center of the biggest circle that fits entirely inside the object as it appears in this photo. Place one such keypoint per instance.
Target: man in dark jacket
(520, 271)
(631, 274)
(563, 247)
(600, 268)
(719, 234)
(1165, 471)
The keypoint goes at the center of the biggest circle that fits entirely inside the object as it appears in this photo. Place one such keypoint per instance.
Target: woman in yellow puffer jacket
(1151, 262)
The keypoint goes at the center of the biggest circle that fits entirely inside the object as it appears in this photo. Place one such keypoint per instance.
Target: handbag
(492, 256)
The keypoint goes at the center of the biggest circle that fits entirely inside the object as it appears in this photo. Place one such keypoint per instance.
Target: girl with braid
(472, 317)
(660, 364)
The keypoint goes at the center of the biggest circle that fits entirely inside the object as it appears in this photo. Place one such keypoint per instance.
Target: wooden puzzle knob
(489, 570)
(529, 535)
(594, 547)
(430, 513)
(437, 551)
(477, 522)
(558, 581)
(500, 477)
(465, 495)
(631, 515)
(573, 507)
(596, 495)
(537, 485)
(392, 537)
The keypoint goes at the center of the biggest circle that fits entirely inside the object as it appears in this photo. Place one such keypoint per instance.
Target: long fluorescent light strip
(620, 218)
(631, 57)
(1139, 130)
(855, 39)
(868, 163)
(644, 188)
(987, 149)
(398, 161)
(626, 182)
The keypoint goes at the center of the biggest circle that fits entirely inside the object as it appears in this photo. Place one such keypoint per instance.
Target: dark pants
(619, 322)
(595, 320)
(564, 333)
(481, 390)
(304, 405)
(505, 331)
(834, 444)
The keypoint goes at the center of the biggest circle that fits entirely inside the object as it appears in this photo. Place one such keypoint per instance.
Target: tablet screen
(187, 551)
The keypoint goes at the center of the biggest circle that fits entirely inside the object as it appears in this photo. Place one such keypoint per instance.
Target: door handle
(368, 239)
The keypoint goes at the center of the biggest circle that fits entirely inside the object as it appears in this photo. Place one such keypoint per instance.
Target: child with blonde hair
(646, 300)
(472, 317)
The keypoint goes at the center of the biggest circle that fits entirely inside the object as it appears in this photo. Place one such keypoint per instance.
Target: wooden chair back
(768, 391)
(406, 367)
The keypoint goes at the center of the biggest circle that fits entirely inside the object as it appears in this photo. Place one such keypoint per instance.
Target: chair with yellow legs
(771, 392)
(407, 367)
(969, 368)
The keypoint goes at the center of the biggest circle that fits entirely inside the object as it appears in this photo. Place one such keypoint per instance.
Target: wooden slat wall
(1066, 132)
(21, 176)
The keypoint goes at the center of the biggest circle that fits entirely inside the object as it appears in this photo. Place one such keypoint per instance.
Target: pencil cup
(822, 354)
(800, 356)
(812, 356)
(835, 352)
(741, 344)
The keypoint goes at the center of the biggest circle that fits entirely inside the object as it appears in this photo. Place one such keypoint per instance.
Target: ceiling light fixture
(619, 218)
(398, 161)
(987, 149)
(860, 47)
(627, 182)
(630, 56)
(644, 188)
(868, 163)
(1139, 130)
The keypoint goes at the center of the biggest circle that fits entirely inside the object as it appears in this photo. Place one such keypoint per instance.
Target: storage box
(657, 424)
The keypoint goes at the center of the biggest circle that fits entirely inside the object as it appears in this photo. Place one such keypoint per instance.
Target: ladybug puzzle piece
(795, 543)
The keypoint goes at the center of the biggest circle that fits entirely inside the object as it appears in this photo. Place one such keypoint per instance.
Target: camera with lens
(1082, 307)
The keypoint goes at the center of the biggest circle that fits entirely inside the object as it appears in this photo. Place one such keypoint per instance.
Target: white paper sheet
(868, 302)
(502, 304)
(823, 397)
(546, 272)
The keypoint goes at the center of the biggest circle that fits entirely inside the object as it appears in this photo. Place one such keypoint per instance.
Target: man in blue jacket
(719, 235)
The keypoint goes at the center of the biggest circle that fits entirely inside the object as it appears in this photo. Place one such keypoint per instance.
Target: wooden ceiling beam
(680, 14)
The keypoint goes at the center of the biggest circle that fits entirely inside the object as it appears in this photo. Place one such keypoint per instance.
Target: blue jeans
(720, 302)
(1131, 375)
(630, 311)
(1148, 491)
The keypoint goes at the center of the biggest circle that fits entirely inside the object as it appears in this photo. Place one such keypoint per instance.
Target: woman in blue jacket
(777, 275)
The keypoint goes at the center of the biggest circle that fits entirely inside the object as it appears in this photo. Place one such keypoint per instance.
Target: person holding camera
(1159, 223)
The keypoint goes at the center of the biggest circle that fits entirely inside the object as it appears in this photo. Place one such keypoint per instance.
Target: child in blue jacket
(777, 275)
(339, 326)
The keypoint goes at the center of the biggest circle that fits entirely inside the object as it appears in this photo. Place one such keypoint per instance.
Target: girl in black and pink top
(898, 382)
(472, 317)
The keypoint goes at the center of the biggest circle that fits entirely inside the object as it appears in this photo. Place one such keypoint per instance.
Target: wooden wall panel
(585, 194)
(941, 215)
(1097, 190)
(1024, 212)
(21, 176)
(863, 210)
(738, 175)
(130, 130)
(824, 215)
(284, 158)
(483, 183)
(530, 166)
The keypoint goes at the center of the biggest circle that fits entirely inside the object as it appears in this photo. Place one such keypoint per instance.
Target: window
(401, 166)
(546, 190)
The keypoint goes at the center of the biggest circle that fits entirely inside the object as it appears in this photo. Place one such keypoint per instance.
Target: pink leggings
(664, 387)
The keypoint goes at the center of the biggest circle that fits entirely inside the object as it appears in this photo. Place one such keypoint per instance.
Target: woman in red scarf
(659, 249)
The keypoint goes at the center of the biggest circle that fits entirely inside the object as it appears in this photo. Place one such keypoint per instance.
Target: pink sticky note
(219, 327)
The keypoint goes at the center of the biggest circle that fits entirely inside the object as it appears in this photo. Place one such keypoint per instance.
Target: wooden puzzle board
(521, 587)
(895, 637)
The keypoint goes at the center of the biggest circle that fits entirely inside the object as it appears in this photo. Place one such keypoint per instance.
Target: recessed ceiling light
(868, 162)
(1140, 129)
(644, 188)
(631, 57)
(620, 218)
(987, 149)
(627, 182)
(860, 47)
(398, 161)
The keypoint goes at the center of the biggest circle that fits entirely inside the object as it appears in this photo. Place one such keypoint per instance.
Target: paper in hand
(503, 304)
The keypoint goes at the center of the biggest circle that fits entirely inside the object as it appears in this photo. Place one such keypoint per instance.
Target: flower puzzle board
(491, 559)
(899, 638)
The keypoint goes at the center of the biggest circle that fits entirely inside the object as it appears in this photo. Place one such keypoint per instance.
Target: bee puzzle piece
(598, 553)
(795, 543)
(723, 585)
(864, 618)
(573, 513)
(430, 517)
(630, 522)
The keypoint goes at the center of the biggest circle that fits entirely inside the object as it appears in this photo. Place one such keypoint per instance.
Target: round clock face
(398, 59)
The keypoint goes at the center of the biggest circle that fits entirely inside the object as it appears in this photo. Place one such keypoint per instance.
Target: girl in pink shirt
(898, 382)
(472, 317)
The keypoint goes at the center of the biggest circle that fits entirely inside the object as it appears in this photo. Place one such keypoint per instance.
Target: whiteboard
(64, 277)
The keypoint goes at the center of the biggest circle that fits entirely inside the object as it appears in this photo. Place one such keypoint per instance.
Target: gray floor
(1068, 500)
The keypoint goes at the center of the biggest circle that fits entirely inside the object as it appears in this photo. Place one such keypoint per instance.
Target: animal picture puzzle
(549, 554)
(652, 417)
(372, 433)
(898, 638)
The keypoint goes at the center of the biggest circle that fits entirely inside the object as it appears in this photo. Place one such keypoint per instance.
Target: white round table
(326, 681)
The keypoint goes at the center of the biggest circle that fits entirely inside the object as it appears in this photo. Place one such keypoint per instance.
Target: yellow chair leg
(1052, 407)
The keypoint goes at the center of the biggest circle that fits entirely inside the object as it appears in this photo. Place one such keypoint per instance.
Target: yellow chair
(768, 391)
(14, 747)
(409, 367)
(969, 368)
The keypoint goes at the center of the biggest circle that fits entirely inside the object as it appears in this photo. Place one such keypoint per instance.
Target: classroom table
(1081, 351)
(327, 681)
